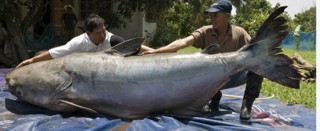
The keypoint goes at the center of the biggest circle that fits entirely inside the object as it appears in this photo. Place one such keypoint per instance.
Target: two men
(228, 37)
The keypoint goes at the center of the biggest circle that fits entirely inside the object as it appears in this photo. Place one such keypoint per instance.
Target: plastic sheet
(304, 41)
(269, 114)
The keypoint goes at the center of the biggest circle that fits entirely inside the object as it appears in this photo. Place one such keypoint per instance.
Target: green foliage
(251, 25)
(183, 16)
(163, 36)
(253, 13)
(186, 16)
(180, 20)
(307, 19)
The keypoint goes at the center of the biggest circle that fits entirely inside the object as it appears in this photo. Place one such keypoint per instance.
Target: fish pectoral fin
(65, 81)
(78, 106)
(211, 49)
(127, 48)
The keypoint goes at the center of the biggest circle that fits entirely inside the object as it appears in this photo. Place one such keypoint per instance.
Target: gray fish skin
(133, 87)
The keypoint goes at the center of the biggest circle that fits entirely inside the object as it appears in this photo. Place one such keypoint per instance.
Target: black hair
(93, 22)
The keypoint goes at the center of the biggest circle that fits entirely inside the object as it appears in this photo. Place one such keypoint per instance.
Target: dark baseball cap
(221, 5)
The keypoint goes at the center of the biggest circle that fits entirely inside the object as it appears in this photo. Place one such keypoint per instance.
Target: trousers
(253, 86)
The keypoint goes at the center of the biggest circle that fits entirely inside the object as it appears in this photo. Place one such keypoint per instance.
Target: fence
(304, 41)
(48, 39)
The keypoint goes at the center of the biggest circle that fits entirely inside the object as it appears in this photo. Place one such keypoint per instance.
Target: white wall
(133, 28)
(148, 29)
(137, 27)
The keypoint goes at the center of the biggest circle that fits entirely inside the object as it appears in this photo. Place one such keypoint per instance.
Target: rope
(241, 97)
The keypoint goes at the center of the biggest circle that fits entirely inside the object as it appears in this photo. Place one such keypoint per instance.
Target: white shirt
(81, 43)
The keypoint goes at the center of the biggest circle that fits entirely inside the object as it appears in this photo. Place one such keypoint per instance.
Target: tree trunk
(13, 24)
(12, 49)
(307, 69)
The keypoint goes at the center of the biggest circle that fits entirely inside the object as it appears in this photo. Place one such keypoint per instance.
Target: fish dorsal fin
(78, 106)
(211, 49)
(127, 48)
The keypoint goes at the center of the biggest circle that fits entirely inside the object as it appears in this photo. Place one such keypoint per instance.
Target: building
(137, 27)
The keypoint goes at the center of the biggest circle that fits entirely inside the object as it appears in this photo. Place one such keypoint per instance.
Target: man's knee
(253, 85)
(215, 101)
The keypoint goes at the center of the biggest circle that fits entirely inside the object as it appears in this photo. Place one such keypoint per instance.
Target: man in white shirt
(96, 38)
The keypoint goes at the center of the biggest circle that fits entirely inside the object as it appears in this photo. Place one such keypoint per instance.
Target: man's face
(69, 10)
(219, 19)
(98, 35)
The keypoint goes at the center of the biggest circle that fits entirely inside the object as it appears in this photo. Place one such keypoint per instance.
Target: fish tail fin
(280, 69)
(265, 47)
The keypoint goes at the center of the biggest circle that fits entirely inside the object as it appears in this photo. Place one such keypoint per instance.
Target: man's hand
(148, 52)
(45, 55)
(25, 62)
(145, 49)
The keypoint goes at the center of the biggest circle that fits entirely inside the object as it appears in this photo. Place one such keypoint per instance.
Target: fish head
(36, 85)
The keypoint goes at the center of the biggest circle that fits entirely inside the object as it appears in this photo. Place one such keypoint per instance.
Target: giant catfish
(116, 83)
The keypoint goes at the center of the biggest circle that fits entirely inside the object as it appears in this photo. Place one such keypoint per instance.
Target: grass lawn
(306, 95)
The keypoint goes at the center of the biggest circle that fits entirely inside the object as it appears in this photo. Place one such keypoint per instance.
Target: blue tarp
(302, 41)
(271, 114)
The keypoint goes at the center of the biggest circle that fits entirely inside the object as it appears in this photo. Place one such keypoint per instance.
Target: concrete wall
(148, 29)
(137, 27)
(133, 28)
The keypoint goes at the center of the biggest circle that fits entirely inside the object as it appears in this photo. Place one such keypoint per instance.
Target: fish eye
(19, 93)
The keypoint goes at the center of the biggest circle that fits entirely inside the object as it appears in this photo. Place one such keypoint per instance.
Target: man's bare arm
(174, 46)
(41, 57)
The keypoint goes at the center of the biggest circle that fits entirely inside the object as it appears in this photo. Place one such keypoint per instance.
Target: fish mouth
(9, 87)
(6, 88)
